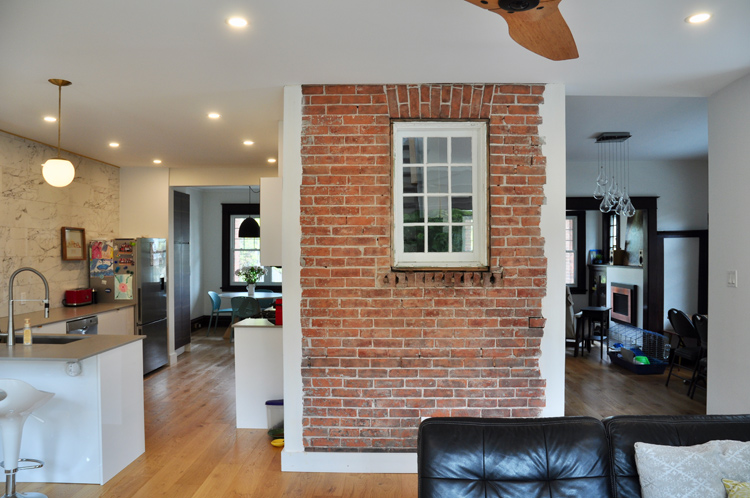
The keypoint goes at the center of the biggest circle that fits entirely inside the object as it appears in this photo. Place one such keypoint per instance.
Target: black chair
(700, 322)
(689, 346)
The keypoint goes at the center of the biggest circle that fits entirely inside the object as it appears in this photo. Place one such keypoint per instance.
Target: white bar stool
(17, 400)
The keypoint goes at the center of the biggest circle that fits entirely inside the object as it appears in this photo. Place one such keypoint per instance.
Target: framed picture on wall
(73, 244)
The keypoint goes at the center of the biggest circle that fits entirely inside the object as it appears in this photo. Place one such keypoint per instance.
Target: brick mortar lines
(345, 292)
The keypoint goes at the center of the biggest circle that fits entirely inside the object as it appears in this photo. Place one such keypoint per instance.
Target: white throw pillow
(691, 471)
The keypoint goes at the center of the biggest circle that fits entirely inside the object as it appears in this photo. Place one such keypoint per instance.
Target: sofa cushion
(669, 471)
(488, 458)
(623, 431)
(736, 489)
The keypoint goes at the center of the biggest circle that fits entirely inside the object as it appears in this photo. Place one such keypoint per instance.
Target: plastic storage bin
(275, 413)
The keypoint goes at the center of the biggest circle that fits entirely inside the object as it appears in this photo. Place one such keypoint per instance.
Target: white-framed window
(245, 251)
(571, 250)
(440, 194)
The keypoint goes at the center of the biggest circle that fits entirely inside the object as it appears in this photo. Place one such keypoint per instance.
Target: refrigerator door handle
(161, 280)
(140, 307)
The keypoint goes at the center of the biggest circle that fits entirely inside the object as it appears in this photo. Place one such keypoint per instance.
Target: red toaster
(78, 297)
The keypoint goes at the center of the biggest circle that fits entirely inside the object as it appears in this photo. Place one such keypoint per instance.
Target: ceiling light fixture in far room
(237, 22)
(157, 161)
(248, 142)
(271, 160)
(698, 18)
(57, 171)
(50, 119)
(249, 228)
(613, 182)
(214, 115)
(114, 145)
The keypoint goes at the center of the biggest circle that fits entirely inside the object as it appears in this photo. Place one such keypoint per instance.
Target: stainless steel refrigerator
(135, 270)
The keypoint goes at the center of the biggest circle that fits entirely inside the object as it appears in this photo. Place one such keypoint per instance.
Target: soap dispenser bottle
(26, 333)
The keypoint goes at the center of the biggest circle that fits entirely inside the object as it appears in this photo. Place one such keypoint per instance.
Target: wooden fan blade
(541, 30)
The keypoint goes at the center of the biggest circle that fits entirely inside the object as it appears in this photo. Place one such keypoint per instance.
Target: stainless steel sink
(47, 339)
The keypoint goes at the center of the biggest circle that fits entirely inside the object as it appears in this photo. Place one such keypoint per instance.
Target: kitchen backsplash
(33, 212)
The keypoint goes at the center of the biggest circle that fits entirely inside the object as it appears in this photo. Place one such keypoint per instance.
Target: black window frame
(580, 251)
(227, 211)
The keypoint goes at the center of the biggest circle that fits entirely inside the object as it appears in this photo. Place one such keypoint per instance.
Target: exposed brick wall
(383, 348)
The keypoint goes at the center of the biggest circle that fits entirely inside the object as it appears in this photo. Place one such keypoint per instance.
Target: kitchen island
(258, 367)
(94, 425)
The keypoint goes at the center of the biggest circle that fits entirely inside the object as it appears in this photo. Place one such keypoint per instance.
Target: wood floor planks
(193, 449)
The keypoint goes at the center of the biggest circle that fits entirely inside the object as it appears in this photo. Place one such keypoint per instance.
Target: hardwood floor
(194, 450)
(598, 388)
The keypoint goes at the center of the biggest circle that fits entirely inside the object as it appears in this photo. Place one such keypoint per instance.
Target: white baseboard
(355, 463)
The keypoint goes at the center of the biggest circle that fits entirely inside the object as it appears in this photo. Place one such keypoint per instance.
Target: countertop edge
(62, 314)
(75, 351)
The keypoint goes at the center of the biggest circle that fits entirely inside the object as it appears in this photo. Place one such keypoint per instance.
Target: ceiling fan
(536, 25)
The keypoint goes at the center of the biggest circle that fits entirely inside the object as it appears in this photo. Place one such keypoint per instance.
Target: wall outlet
(732, 278)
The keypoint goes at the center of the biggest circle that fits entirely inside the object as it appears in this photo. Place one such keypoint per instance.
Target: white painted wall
(681, 186)
(552, 362)
(729, 177)
(210, 242)
(144, 202)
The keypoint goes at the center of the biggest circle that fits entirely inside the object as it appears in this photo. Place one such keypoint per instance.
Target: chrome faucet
(11, 329)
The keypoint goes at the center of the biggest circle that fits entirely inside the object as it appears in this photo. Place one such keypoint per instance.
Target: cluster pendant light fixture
(613, 182)
(57, 171)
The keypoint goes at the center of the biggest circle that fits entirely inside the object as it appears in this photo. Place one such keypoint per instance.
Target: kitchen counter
(94, 424)
(36, 318)
(85, 347)
(259, 373)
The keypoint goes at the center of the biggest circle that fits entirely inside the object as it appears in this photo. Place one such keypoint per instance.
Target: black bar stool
(590, 316)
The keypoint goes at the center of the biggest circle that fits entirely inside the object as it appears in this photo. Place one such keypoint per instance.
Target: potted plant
(250, 274)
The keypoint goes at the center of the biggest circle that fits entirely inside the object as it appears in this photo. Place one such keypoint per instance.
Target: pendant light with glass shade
(249, 228)
(57, 171)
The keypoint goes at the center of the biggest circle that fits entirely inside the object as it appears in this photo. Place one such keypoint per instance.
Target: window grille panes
(440, 193)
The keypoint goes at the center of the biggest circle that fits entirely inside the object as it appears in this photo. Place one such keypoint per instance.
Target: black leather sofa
(552, 457)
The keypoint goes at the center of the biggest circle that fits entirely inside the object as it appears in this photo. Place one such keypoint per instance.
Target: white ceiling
(146, 73)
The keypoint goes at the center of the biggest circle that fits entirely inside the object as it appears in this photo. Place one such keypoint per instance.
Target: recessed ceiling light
(237, 22)
(114, 144)
(214, 115)
(50, 119)
(271, 160)
(157, 161)
(248, 142)
(698, 18)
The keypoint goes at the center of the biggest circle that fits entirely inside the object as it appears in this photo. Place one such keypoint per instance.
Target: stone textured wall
(383, 348)
(32, 214)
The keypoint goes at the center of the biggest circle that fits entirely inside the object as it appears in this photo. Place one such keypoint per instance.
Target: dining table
(257, 295)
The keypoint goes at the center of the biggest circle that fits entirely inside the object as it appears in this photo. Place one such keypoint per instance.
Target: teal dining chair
(244, 307)
(216, 310)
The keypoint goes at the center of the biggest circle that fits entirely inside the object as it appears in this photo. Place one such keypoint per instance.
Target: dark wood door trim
(702, 236)
(651, 296)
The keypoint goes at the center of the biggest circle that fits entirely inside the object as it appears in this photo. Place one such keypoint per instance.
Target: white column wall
(729, 239)
(293, 457)
(552, 362)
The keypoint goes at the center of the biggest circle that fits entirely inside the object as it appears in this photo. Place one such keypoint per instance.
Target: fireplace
(624, 303)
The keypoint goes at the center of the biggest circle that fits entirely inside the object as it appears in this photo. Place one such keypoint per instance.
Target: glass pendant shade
(58, 172)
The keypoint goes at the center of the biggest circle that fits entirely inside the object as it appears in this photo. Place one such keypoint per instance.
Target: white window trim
(574, 251)
(233, 279)
(479, 257)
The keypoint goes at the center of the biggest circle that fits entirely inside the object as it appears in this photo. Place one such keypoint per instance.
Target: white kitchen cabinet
(54, 328)
(270, 222)
(117, 322)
